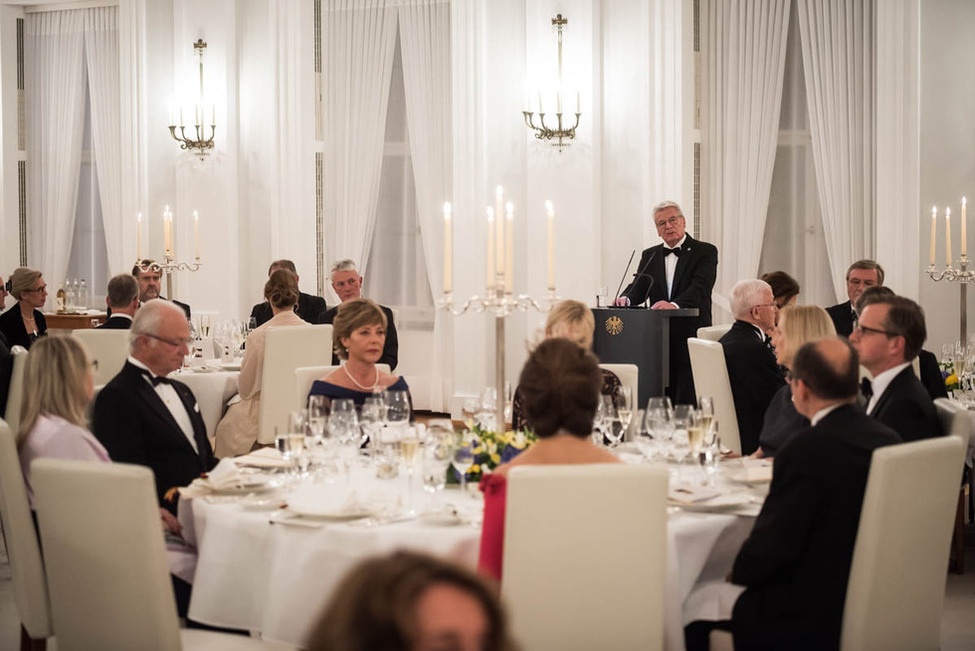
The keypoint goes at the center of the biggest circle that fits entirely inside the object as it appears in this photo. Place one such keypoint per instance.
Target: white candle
(550, 211)
(213, 115)
(181, 116)
(499, 235)
(448, 285)
(138, 249)
(540, 109)
(167, 233)
(196, 233)
(490, 250)
(509, 255)
(578, 103)
(948, 234)
(934, 230)
(964, 223)
(558, 101)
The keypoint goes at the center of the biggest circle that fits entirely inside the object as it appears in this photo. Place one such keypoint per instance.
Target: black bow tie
(156, 379)
(866, 388)
(676, 251)
(768, 343)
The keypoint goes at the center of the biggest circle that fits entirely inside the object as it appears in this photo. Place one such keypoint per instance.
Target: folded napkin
(225, 475)
(689, 494)
(327, 501)
(263, 458)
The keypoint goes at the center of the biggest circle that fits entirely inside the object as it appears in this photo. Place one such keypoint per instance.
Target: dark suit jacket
(931, 376)
(906, 407)
(12, 326)
(842, 316)
(6, 368)
(310, 308)
(796, 562)
(755, 378)
(115, 323)
(133, 424)
(694, 276)
(390, 350)
(183, 306)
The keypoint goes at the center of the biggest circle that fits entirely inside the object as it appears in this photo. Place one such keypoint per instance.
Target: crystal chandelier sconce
(558, 134)
(196, 141)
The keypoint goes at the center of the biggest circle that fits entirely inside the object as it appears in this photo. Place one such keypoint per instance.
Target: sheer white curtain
(55, 102)
(425, 43)
(837, 54)
(102, 56)
(359, 42)
(743, 58)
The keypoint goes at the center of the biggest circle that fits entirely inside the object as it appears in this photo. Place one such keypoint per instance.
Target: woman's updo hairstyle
(281, 289)
(560, 385)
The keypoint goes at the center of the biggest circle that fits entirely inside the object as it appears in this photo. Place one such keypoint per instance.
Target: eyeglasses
(42, 288)
(178, 343)
(673, 221)
(772, 305)
(860, 329)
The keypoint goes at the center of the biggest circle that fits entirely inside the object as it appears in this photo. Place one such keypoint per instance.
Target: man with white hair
(145, 418)
(347, 284)
(752, 369)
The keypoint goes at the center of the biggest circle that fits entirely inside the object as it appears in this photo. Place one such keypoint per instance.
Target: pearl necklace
(364, 388)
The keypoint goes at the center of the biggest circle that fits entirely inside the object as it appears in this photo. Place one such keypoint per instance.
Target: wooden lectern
(638, 336)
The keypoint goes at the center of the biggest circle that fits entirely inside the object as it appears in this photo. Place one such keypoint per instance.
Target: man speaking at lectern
(677, 274)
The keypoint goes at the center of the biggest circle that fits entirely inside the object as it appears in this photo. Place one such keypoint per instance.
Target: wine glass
(317, 418)
(624, 409)
(297, 425)
(485, 416)
(397, 409)
(599, 422)
(464, 456)
(613, 431)
(469, 409)
(705, 407)
(660, 403)
(436, 458)
(371, 418)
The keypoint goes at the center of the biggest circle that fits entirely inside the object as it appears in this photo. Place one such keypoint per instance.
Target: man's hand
(622, 301)
(663, 305)
(170, 523)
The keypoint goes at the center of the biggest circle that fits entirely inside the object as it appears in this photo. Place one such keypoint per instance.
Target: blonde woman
(798, 324)
(23, 323)
(572, 320)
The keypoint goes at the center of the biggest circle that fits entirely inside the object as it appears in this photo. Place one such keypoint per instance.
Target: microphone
(641, 273)
(626, 271)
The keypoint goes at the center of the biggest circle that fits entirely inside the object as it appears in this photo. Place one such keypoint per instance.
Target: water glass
(397, 409)
(317, 418)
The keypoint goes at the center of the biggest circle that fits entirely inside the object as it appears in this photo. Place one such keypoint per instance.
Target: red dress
(495, 489)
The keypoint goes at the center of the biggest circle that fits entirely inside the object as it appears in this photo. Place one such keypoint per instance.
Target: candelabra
(963, 276)
(501, 304)
(200, 145)
(559, 133)
(168, 266)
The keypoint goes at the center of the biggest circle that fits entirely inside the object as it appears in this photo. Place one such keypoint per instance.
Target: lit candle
(540, 109)
(558, 101)
(196, 233)
(550, 211)
(934, 230)
(490, 249)
(509, 256)
(448, 285)
(948, 234)
(213, 115)
(181, 117)
(167, 232)
(499, 234)
(578, 103)
(138, 249)
(964, 223)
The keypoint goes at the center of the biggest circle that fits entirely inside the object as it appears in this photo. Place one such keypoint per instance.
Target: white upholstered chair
(305, 376)
(956, 421)
(711, 379)
(23, 550)
(584, 556)
(713, 333)
(287, 348)
(110, 348)
(106, 561)
(15, 396)
(897, 580)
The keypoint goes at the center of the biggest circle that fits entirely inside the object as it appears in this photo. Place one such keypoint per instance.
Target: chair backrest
(710, 373)
(104, 554)
(305, 376)
(110, 348)
(629, 375)
(26, 566)
(15, 396)
(897, 579)
(287, 348)
(584, 556)
(713, 333)
(955, 419)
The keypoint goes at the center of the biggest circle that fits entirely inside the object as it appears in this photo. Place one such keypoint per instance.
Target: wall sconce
(201, 144)
(558, 133)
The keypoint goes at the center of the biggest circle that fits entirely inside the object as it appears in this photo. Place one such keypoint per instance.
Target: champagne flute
(613, 432)
(317, 417)
(371, 419)
(705, 407)
(624, 409)
(464, 456)
(599, 422)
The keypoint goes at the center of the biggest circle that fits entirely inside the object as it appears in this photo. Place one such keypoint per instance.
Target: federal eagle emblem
(614, 325)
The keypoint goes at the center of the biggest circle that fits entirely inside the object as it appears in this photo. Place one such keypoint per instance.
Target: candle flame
(490, 214)
(446, 208)
(548, 208)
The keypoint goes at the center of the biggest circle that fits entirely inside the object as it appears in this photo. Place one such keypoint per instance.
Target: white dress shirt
(880, 383)
(167, 393)
(822, 413)
(670, 265)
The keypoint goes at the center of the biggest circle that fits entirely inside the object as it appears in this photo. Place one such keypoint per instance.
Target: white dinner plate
(230, 366)
(251, 484)
(726, 502)
(321, 514)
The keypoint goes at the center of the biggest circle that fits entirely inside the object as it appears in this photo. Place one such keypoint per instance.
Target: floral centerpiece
(948, 373)
(492, 450)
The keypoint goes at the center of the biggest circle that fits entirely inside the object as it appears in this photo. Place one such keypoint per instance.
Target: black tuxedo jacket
(115, 323)
(390, 349)
(931, 376)
(6, 368)
(134, 425)
(906, 407)
(796, 562)
(183, 306)
(12, 326)
(310, 308)
(842, 316)
(694, 276)
(755, 379)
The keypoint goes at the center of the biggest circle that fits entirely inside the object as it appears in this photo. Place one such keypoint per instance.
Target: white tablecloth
(277, 578)
(212, 391)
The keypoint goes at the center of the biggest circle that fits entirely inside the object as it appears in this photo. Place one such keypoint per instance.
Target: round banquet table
(277, 578)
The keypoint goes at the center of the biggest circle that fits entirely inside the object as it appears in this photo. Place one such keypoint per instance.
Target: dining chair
(110, 348)
(897, 579)
(23, 550)
(714, 332)
(287, 348)
(15, 395)
(106, 561)
(956, 420)
(305, 376)
(710, 373)
(584, 556)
